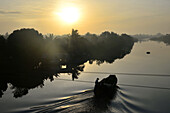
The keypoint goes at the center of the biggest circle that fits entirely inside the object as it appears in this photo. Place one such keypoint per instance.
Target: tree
(26, 45)
(2, 46)
(75, 34)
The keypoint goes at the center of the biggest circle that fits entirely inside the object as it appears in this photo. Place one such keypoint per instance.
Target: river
(143, 82)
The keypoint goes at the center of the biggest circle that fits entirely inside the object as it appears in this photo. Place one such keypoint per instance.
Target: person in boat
(97, 81)
(109, 81)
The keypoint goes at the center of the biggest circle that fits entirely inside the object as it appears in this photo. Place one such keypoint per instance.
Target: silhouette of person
(97, 81)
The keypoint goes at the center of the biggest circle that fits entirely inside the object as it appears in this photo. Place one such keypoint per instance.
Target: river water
(138, 91)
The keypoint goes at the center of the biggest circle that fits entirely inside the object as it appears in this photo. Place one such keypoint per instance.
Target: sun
(69, 14)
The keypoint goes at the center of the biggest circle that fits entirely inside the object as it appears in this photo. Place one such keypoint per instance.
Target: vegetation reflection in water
(163, 38)
(28, 58)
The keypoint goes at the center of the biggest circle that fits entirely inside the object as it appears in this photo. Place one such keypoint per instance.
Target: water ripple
(85, 102)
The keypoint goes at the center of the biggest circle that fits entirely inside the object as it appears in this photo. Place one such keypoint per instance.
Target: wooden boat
(106, 87)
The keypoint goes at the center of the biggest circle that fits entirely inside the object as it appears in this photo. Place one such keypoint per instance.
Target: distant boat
(148, 52)
(106, 87)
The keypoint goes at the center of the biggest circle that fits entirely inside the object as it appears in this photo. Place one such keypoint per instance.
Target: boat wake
(85, 102)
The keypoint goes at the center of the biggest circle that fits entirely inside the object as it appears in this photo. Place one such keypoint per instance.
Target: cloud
(9, 12)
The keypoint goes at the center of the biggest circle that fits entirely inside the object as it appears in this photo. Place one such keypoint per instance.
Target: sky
(96, 16)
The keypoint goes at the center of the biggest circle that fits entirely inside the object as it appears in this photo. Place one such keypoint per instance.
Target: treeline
(164, 38)
(27, 57)
(142, 37)
(30, 47)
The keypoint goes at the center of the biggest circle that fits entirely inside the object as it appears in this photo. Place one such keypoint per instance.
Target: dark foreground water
(137, 93)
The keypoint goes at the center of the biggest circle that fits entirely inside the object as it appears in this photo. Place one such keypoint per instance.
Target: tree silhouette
(26, 46)
(2, 46)
(164, 38)
(28, 58)
(75, 34)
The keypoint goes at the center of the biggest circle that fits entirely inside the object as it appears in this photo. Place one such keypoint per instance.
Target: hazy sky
(121, 16)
